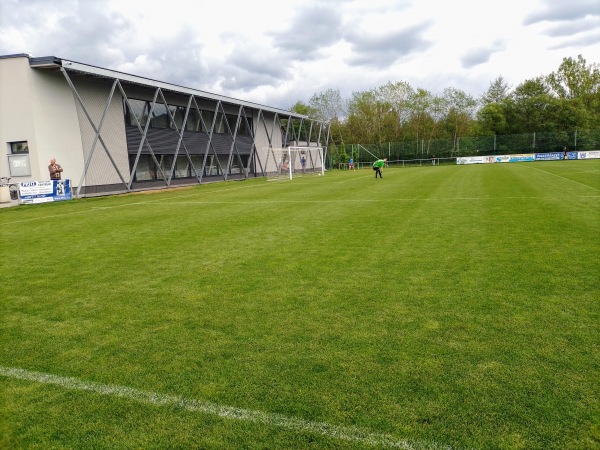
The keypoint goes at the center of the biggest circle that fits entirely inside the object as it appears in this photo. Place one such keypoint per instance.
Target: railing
(402, 163)
(536, 142)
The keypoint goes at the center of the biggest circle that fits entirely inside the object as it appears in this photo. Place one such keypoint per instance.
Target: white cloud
(276, 53)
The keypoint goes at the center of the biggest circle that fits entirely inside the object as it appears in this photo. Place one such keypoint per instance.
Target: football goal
(294, 162)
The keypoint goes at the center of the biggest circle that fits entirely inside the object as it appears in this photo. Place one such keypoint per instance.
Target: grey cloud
(259, 62)
(84, 31)
(245, 70)
(243, 80)
(384, 50)
(574, 27)
(88, 32)
(92, 35)
(582, 40)
(179, 59)
(481, 55)
(312, 29)
(563, 11)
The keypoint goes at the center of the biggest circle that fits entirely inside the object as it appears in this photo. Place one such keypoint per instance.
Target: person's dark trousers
(378, 172)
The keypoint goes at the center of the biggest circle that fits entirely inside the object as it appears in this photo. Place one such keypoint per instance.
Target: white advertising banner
(472, 160)
(595, 154)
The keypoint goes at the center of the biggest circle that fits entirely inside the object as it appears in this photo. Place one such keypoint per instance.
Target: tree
(492, 119)
(461, 107)
(527, 107)
(328, 105)
(397, 95)
(575, 79)
(304, 109)
(369, 116)
(419, 105)
(498, 91)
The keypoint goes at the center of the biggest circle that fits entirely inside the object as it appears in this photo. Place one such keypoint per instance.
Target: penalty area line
(352, 434)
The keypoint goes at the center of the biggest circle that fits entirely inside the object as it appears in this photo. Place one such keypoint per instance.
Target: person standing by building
(55, 170)
(377, 166)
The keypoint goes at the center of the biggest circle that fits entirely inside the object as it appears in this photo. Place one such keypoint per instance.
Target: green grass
(439, 306)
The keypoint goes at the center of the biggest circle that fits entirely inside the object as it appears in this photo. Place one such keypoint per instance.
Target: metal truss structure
(279, 128)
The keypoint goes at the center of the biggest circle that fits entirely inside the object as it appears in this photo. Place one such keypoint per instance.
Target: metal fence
(578, 140)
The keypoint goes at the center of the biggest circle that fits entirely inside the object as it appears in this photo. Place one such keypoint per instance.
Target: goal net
(294, 162)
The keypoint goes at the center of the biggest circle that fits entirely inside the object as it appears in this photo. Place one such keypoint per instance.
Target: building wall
(56, 125)
(94, 94)
(37, 107)
(16, 113)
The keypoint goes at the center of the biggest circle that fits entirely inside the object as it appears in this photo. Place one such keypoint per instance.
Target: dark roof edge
(15, 55)
(45, 61)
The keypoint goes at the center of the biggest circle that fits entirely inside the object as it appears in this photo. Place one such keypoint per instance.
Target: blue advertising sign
(44, 191)
(554, 156)
(521, 158)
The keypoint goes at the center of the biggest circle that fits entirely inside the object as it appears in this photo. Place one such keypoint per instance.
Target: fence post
(534, 141)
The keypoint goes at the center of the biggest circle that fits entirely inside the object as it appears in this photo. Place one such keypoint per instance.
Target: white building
(115, 132)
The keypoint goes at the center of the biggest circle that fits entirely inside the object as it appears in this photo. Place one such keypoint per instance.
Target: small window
(18, 159)
(19, 148)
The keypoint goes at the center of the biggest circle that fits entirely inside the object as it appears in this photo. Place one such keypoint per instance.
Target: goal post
(294, 162)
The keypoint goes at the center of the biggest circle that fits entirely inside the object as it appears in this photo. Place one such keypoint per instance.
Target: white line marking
(352, 434)
(564, 178)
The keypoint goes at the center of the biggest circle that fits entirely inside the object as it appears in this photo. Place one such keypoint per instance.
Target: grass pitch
(438, 307)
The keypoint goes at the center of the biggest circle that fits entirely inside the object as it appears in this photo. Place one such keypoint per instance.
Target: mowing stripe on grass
(564, 178)
(170, 203)
(352, 434)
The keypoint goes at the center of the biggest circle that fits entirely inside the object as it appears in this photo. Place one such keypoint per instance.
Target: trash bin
(4, 194)
(14, 193)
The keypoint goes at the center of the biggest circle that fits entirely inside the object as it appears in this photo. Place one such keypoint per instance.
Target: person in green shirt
(377, 166)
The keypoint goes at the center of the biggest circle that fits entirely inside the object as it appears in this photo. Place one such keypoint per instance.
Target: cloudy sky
(276, 52)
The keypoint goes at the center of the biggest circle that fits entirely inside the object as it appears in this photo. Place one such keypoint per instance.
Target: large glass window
(147, 170)
(165, 162)
(144, 170)
(137, 109)
(207, 117)
(220, 125)
(160, 116)
(178, 113)
(197, 162)
(193, 121)
(232, 121)
(244, 123)
(182, 167)
(198, 120)
(212, 166)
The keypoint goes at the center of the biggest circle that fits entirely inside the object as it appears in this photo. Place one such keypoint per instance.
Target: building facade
(114, 132)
